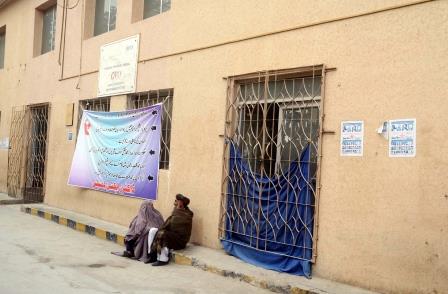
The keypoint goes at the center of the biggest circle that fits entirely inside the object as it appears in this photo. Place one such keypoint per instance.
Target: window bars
(96, 104)
(271, 117)
(150, 98)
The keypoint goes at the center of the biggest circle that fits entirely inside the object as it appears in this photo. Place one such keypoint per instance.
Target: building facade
(270, 77)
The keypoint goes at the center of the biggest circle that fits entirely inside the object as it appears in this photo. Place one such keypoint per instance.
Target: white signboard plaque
(118, 67)
(4, 143)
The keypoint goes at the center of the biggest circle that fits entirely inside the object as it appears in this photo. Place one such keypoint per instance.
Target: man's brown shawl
(176, 231)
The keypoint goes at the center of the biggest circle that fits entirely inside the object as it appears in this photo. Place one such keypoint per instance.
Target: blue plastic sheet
(269, 221)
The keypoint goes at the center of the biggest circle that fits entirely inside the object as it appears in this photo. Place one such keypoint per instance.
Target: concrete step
(210, 260)
(5, 199)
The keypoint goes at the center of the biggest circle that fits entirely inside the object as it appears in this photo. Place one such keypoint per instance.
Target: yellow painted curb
(215, 270)
(34, 211)
(248, 279)
(100, 233)
(47, 216)
(182, 260)
(80, 227)
(295, 290)
(263, 284)
(63, 221)
(120, 240)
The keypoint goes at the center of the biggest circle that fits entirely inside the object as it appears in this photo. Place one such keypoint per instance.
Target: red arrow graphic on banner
(87, 126)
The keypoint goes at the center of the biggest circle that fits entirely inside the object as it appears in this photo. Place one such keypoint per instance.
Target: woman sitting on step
(136, 239)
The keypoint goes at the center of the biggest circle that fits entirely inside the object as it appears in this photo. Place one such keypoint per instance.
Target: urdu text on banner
(118, 152)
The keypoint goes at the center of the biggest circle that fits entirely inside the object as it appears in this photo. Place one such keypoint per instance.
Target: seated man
(173, 234)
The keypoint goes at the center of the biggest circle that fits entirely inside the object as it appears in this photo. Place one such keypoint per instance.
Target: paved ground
(211, 260)
(38, 256)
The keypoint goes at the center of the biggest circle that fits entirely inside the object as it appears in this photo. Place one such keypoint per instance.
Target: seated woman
(136, 239)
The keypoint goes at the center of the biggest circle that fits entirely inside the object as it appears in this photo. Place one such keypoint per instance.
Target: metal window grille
(270, 118)
(96, 104)
(28, 152)
(150, 98)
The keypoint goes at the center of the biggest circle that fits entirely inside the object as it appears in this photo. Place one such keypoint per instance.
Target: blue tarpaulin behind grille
(285, 216)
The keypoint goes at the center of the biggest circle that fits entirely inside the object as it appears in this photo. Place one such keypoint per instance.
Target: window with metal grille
(150, 98)
(105, 16)
(97, 104)
(272, 118)
(278, 117)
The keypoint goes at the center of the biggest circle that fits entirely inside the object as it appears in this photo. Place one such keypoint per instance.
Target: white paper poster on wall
(352, 138)
(402, 137)
(4, 143)
(118, 67)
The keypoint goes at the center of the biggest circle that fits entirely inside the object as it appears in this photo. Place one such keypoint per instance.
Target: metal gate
(271, 117)
(28, 152)
(16, 154)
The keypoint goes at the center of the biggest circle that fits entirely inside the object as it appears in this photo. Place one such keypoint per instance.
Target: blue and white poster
(402, 137)
(118, 152)
(352, 138)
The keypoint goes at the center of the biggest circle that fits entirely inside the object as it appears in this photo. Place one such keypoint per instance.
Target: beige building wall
(382, 221)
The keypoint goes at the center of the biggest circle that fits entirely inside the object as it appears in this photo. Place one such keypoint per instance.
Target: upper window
(105, 16)
(278, 116)
(48, 29)
(44, 28)
(2, 46)
(154, 7)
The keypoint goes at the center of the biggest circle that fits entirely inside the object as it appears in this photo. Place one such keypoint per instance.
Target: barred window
(150, 98)
(96, 104)
(277, 121)
(271, 161)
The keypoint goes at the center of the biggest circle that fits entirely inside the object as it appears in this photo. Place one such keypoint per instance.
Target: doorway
(27, 156)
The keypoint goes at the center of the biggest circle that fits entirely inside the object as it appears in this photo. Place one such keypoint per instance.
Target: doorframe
(30, 107)
(25, 152)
